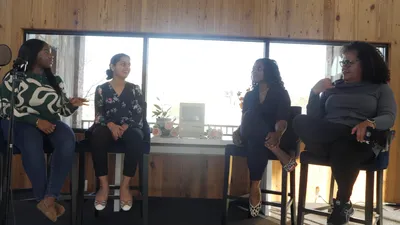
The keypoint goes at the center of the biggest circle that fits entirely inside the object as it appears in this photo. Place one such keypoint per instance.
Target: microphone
(5, 55)
(20, 63)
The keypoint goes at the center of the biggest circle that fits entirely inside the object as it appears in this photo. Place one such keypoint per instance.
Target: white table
(188, 146)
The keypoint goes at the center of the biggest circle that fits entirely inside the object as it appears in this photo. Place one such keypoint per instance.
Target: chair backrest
(382, 160)
(290, 140)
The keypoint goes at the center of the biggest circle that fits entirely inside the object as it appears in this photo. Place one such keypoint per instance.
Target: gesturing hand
(76, 102)
(45, 126)
(116, 130)
(322, 85)
(361, 129)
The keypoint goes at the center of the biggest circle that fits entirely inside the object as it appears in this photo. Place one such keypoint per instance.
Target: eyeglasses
(347, 62)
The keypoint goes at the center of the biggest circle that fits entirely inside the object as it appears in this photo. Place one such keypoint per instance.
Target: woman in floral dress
(119, 110)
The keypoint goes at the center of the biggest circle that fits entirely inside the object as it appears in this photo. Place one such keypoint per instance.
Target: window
(200, 71)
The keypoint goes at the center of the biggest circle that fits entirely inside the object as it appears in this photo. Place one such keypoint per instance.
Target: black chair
(288, 139)
(20, 194)
(378, 165)
(118, 148)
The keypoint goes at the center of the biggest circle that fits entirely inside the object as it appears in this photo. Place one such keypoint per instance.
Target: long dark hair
(373, 65)
(29, 51)
(272, 75)
(114, 60)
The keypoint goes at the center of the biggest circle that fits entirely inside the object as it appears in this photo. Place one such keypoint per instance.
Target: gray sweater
(351, 104)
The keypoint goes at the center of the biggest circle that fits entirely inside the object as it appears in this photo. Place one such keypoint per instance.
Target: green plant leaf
(158, 98)
(158, 107)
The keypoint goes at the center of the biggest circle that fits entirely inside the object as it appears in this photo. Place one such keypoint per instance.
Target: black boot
(341, 213)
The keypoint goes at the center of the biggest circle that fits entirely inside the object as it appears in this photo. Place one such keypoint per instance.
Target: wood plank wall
(344, 20)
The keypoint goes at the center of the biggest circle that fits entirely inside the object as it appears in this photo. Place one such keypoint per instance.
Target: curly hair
(373, 66)
(272, 75)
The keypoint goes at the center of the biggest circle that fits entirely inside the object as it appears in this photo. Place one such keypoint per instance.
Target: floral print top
(127, 108)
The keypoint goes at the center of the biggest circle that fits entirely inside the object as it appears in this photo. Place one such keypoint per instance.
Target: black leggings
(101, 141)
(257, 157)
(336, 142)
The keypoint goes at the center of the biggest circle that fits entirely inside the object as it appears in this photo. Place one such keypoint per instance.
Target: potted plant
(161, 114)
(164, 124)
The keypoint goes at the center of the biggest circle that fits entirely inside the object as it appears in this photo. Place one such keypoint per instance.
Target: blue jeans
(29, 140)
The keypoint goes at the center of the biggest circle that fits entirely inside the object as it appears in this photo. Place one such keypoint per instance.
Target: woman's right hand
(45, 126)
(322, 85)
(115, 130)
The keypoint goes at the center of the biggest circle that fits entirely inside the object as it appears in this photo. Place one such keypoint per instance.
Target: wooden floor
(172, 211)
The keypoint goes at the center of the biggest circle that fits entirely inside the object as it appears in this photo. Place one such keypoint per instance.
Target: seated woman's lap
(102, 136)
(27, 136)
(331, 139)
(313, 130)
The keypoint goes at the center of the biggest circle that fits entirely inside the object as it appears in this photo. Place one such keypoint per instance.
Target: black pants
(254, 130)
(257, 157)
(101, 141)
(335, 141)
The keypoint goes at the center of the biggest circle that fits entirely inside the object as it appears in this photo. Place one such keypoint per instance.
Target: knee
(100, 133)
(134, 134)
(68, 139)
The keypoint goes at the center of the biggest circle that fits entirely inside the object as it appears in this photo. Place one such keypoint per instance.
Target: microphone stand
(17, 74)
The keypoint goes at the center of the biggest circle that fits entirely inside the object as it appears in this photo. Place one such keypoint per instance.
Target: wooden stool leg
(96, 212)
(379, 197)
(284, 198)
(225, 200)
(331, 189)
(369, 198)
(74, 185)
(145, 189)
(293, 197)
(302, 193)
(81, 183)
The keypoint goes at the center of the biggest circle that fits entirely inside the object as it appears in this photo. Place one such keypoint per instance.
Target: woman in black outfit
(338, 116)
(119, 108)
(266, 110)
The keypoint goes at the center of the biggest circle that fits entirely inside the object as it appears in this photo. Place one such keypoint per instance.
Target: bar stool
(288, 139)
(117, 148)
(377, 165)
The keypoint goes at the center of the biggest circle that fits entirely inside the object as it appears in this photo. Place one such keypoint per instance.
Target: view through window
(200, 71)
(188, 71)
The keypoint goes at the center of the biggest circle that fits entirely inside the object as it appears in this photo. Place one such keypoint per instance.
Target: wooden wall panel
(342, 20)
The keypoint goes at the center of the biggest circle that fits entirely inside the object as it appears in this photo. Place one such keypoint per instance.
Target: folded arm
(316, 105)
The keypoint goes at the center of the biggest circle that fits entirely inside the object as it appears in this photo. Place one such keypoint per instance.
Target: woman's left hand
(76, 102)
(361, 129)
(273, 139)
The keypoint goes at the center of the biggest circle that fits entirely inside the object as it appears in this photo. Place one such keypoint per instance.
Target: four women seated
(338, 116)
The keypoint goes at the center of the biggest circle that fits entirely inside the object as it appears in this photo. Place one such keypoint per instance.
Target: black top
(275, 107)
(128, 108)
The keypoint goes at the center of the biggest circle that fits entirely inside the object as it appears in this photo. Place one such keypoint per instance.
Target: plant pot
(161, 121)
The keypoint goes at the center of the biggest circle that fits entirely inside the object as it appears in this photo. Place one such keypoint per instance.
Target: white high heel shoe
(100, 205)
(126, 205)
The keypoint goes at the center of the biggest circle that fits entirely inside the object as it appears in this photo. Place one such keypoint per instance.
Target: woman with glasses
(339, 114)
